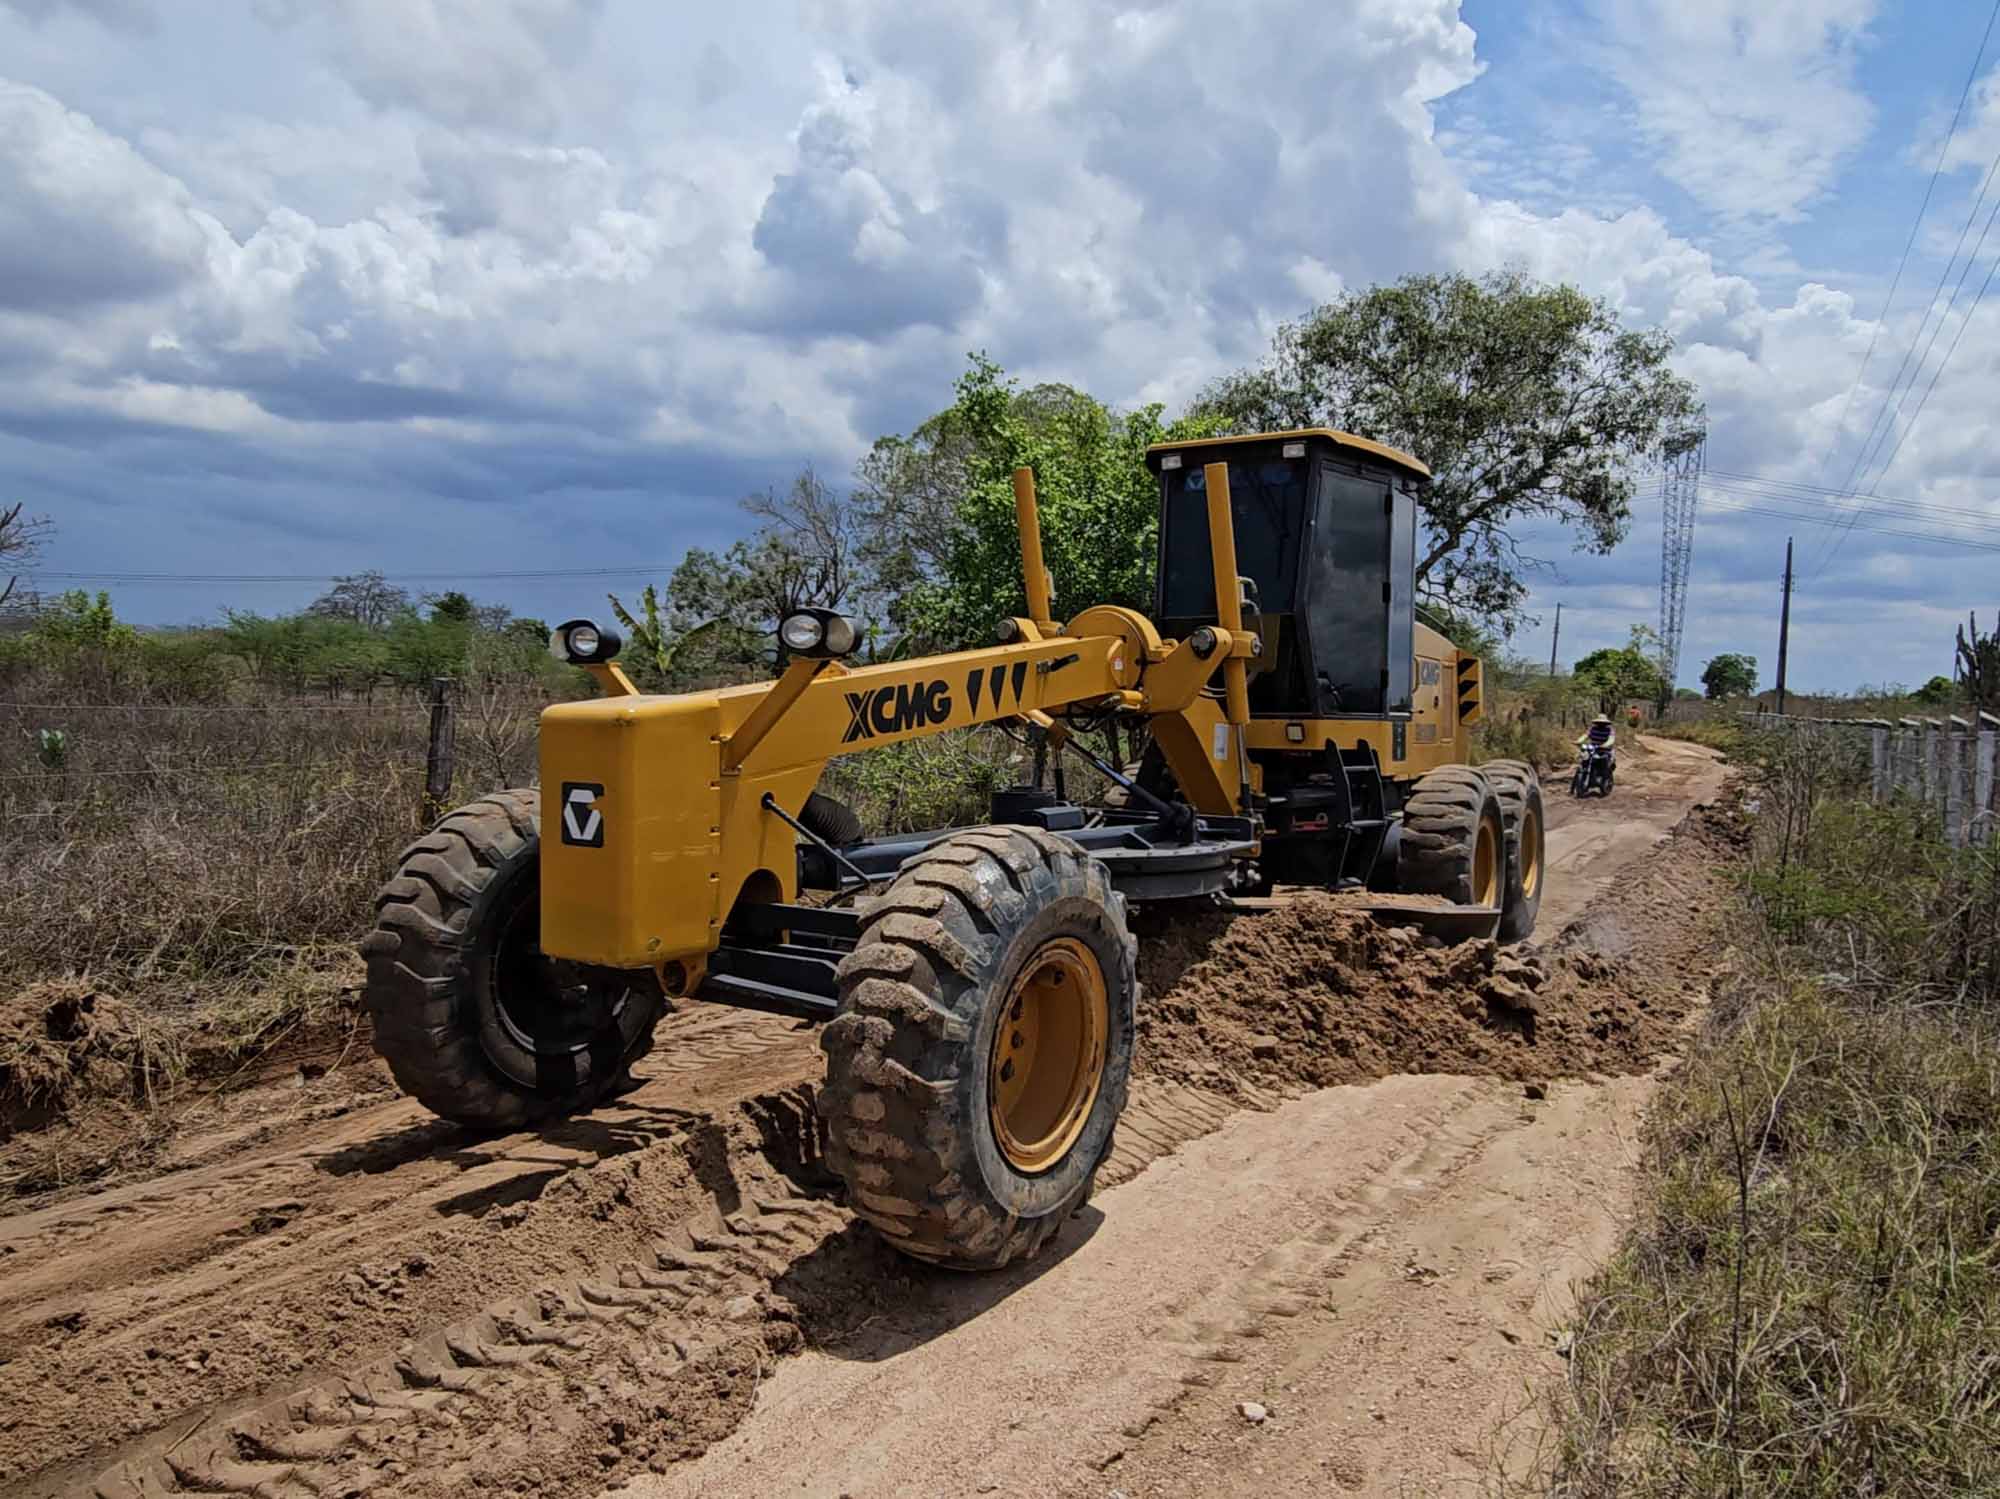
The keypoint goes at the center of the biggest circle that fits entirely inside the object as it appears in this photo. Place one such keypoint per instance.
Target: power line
(1840, 537)
(1731, 477)
(1906, 510)
(1936, 374)
(1916, 225)
(1885, 414)
(1889, 427)
(1733, 506)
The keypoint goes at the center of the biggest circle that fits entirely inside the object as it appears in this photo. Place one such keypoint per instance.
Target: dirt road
(1591, 842)
(318, 1289)
(1382, 1268)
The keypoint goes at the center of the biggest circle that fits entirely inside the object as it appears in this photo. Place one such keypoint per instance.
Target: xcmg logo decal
(917, 705)
(890, 710)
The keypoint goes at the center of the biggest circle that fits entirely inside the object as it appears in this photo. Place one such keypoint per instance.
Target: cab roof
(1395, 457)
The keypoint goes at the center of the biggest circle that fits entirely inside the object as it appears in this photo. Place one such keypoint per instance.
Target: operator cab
(1326, 534)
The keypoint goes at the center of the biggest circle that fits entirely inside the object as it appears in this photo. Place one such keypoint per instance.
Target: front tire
(979, 1063)
(473, 1021)
(1519, 790)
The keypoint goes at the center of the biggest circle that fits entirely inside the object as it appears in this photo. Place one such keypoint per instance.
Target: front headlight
(802, 632)
(583, 642)
(818, 633)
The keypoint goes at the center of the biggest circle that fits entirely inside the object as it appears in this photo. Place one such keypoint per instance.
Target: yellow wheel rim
(1486, 866)
(1048, 1055)
(1531, 851)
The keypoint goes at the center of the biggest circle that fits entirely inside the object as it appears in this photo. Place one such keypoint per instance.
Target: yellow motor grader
(977, 984)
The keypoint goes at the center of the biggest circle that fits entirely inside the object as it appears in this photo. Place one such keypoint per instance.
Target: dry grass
(1810, 1306)
(1530, 718)
(173, 851)
(1540, 742)
(1810, 1303)
(210, 867)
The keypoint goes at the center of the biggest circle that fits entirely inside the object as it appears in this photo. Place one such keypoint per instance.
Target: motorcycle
(1593, 771)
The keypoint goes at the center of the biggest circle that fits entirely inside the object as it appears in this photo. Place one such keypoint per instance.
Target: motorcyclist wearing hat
(1602, 735)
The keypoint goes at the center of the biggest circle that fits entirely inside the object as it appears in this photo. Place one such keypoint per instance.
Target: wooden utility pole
(1785, 624)
(1556, 639)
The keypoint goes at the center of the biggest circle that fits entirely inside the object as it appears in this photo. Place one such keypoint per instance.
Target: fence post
(1878, 763)
(1932, 768)
(1954, 780)
(1985, 806)
(438, 757)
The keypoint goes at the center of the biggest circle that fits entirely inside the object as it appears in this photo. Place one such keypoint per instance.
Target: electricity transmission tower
(1679, 486)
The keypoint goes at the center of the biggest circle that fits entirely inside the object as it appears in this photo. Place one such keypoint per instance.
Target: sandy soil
(1384, 1269)
(312, 1287)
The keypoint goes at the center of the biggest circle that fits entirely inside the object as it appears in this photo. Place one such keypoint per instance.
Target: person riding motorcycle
(1602, 735)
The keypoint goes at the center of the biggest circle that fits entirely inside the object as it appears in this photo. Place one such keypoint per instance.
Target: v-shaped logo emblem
(582, 822)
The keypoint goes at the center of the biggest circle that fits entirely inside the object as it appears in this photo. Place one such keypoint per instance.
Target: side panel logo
(582, 823)
(891, 710)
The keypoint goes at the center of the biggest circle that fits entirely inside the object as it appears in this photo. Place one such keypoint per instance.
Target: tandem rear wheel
(979, 1063)
(1476, 837)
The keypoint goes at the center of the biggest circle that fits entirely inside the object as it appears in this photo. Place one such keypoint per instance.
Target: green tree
(298, 652)
(940, 506)
(453, 608)
(1729, 675)
(419, 649)
(664, 653)
(1623, 674)
(1937, 691)
(81, 638)
(1528, 402)
(79, 622)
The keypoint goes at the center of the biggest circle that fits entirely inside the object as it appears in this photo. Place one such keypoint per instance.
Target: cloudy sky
(296, 287)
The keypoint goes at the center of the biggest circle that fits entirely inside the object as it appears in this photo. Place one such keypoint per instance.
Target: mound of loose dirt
(1313, 994)
(63, 1040)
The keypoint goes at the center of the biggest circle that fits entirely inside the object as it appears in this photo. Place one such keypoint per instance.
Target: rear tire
(995, 947)
(472, 1020)
(1519, 790)
(1453, 841)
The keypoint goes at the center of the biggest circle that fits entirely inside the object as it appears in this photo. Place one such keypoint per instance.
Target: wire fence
(62, 758)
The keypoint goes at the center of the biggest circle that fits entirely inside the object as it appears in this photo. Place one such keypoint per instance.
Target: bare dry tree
(819, 528)
(20, 538)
